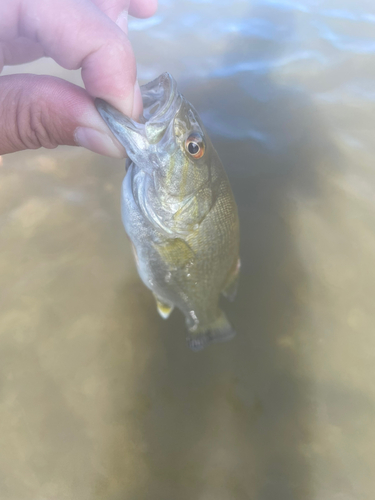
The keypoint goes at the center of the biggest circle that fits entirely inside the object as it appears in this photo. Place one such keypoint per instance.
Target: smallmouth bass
(178, 210)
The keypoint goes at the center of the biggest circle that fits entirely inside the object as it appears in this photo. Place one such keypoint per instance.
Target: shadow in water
(234, 420)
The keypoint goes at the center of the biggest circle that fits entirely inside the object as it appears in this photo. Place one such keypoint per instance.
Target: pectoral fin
(163, 309)
(175, 252)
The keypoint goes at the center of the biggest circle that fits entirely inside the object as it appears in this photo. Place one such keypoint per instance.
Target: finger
(112, 8)
(9, 15)
(44, 111)
(136, 8)
(75, 33)
(20, 51)
(116, 10)
(143, 8)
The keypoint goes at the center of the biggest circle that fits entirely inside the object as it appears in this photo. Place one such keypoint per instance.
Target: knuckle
(29, 118)
(32, 124)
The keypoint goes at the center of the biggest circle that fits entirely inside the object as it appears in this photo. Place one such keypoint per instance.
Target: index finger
(77, 34)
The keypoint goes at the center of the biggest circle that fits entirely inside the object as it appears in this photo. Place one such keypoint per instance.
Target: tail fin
(218, 331)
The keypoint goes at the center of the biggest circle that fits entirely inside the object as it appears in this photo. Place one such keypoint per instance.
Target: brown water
(99, 397)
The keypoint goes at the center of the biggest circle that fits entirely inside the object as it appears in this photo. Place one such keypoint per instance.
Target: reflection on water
(100, 398)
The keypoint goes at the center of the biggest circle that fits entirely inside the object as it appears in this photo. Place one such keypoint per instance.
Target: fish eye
(194, 145)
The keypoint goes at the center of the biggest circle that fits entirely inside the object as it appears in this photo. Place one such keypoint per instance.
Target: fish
(178, 210)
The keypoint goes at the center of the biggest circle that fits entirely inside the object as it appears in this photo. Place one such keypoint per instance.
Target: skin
(44, 111)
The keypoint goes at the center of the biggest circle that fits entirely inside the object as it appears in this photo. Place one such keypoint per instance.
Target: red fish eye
(195, 146)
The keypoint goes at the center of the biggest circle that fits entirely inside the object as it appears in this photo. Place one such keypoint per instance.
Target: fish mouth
(161, 101)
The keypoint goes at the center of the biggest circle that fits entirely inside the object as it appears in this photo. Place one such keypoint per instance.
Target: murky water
(99, 397)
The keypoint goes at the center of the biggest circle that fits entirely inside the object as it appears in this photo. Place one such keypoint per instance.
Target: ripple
(266, 65)
(345, 43)
(243, 128)
(362, 91)
(347, 15)
(255, 27)
(233, 130)
(288, 4)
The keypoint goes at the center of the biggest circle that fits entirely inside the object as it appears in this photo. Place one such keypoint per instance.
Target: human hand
(44, 111)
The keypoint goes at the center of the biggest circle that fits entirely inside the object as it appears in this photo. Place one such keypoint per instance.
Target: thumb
(44, 111)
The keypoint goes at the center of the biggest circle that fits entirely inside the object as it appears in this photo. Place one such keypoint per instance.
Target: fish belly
(187, 273)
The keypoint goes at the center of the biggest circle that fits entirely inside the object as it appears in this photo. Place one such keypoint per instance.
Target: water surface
(99, 397)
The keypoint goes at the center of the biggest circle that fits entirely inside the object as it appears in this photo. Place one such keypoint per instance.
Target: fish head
(169, 142)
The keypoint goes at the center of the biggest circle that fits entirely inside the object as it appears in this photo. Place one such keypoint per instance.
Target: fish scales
(178, 210)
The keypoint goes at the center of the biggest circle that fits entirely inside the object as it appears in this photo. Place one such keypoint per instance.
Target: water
(100, 398)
